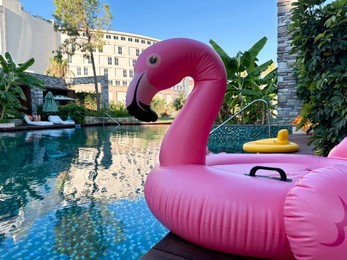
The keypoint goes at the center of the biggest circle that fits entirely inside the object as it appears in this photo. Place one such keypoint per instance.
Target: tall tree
(83, 21)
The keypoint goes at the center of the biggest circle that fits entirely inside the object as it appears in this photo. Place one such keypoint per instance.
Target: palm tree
(58, 67)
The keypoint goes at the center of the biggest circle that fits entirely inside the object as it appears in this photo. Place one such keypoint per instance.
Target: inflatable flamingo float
(274, 206)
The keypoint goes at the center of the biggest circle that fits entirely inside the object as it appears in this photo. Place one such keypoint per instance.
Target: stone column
(36, 99)
(288, 104)
(104, 92)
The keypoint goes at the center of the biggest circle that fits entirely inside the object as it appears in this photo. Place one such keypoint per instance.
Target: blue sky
(234, 24)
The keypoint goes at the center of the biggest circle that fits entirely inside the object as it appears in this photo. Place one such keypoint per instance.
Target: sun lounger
(58, 120)
(29, 122)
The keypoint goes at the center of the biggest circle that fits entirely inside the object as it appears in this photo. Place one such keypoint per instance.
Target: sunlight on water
(78, 193)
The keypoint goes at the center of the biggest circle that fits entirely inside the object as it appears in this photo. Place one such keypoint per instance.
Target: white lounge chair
(29, 122)
(58, 120)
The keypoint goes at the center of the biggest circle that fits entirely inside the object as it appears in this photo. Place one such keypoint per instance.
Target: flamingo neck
(186, 140)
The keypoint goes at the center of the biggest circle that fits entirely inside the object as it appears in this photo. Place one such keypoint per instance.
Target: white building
(25, 36)
(116, 60)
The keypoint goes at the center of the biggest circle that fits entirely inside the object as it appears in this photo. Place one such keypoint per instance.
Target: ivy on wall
(319, 39)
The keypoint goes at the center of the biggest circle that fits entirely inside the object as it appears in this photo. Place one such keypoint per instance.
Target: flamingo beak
(138, 101)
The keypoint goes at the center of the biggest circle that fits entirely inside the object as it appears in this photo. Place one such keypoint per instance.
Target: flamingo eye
(153, 60)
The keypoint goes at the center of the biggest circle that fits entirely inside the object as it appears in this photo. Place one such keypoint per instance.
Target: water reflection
(112, 165)
(76, 175)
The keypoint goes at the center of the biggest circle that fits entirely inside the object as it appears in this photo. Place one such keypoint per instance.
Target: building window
(109, 60)
(69, 58)
(134, 62)
(94, 49)
(100, 49)
(143, 41)
(122, 38)
(110, 82)
(130, 39)
(149, 43)
(105, 71)
(125, 74)
(116, 61)
(108, 36)
(115, 37)
(117, 83)
(79, 71)
(89, 60)
(120, 50)
(137, 52)
(125, 83)
(131, 73)
(137, 40)
(85, 71)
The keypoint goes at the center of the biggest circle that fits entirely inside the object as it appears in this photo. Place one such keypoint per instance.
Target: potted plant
(12, 77)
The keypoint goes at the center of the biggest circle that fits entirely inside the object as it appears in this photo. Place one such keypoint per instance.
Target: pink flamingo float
(275, 206)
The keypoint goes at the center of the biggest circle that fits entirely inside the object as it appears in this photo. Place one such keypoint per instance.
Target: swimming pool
(77, 193)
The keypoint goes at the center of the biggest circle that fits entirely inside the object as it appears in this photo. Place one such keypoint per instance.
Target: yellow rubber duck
(280, 144)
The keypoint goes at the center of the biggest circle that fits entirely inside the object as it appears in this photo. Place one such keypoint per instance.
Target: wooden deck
(175, 248)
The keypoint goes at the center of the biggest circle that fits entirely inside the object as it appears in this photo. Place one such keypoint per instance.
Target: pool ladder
(114, 120)
(239, 112)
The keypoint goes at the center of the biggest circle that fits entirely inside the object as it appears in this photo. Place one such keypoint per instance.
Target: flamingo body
(267, 206)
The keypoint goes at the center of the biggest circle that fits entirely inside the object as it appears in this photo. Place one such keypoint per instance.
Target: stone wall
(288, 104)
(51, 81)
(103, 81)
(37, 94)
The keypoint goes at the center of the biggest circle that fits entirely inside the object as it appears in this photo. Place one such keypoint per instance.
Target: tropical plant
(58, 67)
(160, 106)
(87, 17)
(12, 77)
(86, 99)
(179, 102)
(247, 81)
(75, 111)
(319, 40)
(118, 109)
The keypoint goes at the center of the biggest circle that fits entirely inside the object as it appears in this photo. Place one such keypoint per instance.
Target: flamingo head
(159, 67)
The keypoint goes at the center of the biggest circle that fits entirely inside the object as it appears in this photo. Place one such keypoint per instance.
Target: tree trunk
(3, 112)
(95, 82)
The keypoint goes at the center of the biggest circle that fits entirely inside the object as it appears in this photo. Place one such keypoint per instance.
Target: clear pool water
(77, 193)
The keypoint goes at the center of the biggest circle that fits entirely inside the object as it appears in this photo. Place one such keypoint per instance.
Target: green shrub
(160, 106)
(87, 99)
(76, 112)
(118, 110)
(319, 40)
(179, 102)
